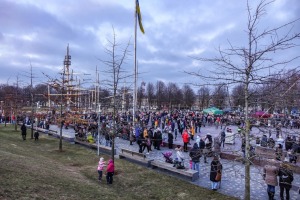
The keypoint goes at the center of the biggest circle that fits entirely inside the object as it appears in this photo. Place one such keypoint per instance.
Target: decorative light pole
(99, 128)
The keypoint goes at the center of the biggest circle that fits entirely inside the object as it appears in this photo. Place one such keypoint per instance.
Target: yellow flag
(139, 16)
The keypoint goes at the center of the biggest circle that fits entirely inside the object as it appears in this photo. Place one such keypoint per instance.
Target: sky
(36, 33)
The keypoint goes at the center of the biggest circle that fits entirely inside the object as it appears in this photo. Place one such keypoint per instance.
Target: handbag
(218, 176)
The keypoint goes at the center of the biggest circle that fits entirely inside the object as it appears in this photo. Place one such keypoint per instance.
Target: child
(110, 171)
(36, 135)
(101, 165)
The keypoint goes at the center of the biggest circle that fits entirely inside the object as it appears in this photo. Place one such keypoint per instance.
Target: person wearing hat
(180, 156)
(285, 179)
(101, 165)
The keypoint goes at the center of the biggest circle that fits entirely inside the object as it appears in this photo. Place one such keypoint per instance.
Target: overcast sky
(37, 32)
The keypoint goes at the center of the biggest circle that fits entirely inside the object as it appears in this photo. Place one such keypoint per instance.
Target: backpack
(286, 177)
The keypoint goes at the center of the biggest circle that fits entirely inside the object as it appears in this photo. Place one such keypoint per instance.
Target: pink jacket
(101, 165)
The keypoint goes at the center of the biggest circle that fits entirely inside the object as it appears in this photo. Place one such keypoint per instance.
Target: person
(150, 134)
(208, 146)
(192, 130)
(198, 140)
(36, 135)
(180, 157)
(270, 173)
(288, 143)
(145, 132)
(185, 139)
(141, 142)
(170, 140)
(146, 144)
(285, 180)
(23, 131)
(243, 147)
(107, 139)
(110, 171)
(195, 155)
(278, 152)
(215, 169)
(131, 138)
(201, 147)
(100, 168)
(158, 138)
(223, 136)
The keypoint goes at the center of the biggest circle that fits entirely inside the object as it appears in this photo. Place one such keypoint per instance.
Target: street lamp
(99, 124)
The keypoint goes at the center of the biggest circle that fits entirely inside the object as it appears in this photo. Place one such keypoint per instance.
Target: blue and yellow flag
(139, 16)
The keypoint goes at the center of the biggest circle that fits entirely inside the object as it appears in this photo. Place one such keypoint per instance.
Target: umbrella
(213, 111)
(261, 114)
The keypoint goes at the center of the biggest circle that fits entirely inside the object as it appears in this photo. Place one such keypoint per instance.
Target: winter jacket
(23, 129)
(101, 165)
(270, 175)
(195, 153)
(110, 166)
(215, 167)
(286, 177)
(185, 137)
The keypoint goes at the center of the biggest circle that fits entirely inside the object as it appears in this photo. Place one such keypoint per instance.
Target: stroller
(167, 155)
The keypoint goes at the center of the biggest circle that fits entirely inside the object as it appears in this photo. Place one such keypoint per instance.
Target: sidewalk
(233, 178)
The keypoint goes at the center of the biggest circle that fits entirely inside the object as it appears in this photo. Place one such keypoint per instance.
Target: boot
(271, 195)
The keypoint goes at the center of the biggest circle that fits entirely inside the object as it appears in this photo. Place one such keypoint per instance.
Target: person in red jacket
(185, 138)
(110, 171)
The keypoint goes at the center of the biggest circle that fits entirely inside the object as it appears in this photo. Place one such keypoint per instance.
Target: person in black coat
(150, 135)
(23, 131)
(157, 139)
(201, 147)
(288, 143)
(215, 168)
(195, 154)
(170, 140)
(285, 180)
(223, 136)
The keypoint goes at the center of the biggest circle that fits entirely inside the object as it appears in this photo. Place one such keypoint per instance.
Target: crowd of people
(152, 130)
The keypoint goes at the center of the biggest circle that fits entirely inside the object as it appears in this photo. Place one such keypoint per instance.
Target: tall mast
(135, 66)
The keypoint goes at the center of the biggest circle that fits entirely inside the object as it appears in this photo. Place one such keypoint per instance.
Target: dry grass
(37, 170)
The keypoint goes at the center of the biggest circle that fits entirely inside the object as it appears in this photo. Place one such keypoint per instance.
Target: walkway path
(233, 172)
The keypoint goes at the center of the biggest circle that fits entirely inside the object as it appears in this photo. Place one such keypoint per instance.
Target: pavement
(233, 177)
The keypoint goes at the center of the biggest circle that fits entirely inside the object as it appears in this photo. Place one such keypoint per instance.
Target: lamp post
(99, 124)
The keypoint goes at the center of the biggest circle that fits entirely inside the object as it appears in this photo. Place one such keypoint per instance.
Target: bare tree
(203, 97)
(150, 90)
(246, 65)
(188, 96)
(160, 94)
(219, 96)
(115, 74)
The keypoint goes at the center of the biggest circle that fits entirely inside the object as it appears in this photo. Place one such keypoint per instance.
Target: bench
(193, 174)
(264, 152)
(102, 148)
(134, 156)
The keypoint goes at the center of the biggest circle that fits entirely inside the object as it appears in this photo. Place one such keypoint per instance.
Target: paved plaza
(233, 172)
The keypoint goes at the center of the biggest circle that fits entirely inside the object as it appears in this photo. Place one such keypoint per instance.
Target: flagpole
(135, 67)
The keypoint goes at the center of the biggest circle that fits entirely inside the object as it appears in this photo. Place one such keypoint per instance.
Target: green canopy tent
(213, 111)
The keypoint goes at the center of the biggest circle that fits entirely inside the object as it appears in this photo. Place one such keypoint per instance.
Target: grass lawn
(37, 170)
